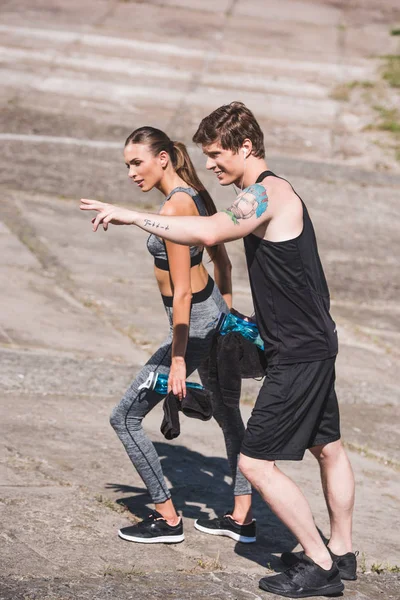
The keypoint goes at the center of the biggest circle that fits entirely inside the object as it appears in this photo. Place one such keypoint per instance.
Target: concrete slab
(71, 460)
(80, 312)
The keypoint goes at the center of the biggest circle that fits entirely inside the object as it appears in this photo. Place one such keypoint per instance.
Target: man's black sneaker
(347, 563)
(304, 579)
(227, 526)
(153, 530)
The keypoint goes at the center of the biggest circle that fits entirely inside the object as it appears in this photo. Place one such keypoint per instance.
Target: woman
(193, 304)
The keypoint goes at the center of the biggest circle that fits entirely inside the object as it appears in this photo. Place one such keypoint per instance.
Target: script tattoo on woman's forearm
(155, 224)
(252, 201)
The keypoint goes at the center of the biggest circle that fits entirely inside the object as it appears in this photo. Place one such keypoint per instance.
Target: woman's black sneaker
(153, 530)
(347, 563)
(227, 526)
(304, 579)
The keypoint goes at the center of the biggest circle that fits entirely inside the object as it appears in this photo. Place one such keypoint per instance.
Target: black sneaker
(347, 563)
(227, 526)
(304, 579)
(153, 530)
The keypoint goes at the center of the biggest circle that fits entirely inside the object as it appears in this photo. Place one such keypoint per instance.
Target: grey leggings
(127, 416)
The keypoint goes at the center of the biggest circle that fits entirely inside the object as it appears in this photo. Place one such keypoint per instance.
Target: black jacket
(232, 359)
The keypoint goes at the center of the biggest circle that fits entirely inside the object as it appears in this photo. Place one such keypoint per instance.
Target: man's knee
(328, 452)
(255, 469)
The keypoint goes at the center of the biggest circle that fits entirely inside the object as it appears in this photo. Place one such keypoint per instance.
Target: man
(297, 407)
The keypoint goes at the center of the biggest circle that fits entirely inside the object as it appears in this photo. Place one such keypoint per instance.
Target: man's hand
(108, 213)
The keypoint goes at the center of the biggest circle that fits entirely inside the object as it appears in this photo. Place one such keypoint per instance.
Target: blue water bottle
(159, 383)
(249, 330)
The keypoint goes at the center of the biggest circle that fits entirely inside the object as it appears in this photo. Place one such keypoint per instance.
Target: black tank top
(291, 296)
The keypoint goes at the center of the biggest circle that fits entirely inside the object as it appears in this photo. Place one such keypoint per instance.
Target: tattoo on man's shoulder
(253, 200)
(155, 224)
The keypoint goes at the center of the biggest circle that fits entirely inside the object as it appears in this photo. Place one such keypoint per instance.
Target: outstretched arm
(244, 216)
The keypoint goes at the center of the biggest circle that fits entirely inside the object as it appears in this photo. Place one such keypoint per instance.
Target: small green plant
(210, 565)
(110, 571)
(363, 563)
(377, 568)
(391, 70)
(342, 91)
(389, 119)
(392, 568)
(380, 568)
(110, 504)
(395, 31)
(362, 84)
(201, 563)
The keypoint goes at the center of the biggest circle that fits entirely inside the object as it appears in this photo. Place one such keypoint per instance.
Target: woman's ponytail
(184, 167)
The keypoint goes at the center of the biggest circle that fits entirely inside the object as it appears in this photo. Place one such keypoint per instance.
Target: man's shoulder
(281, 194)
(275, 184)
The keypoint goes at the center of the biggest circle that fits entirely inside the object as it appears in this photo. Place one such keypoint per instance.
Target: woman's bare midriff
(198, 280)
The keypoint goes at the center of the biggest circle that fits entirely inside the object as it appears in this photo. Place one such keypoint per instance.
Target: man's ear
(247, 147)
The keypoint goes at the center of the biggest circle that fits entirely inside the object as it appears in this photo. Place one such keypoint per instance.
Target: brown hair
(158, 141)
(230, 125)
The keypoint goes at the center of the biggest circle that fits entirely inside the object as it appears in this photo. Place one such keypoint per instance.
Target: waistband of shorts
(197, 297)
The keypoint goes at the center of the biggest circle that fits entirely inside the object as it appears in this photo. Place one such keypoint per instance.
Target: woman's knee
(228, 417)
(117, 417)
(121, 415)
(232, 431)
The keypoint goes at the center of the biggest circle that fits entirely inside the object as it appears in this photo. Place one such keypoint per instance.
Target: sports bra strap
(195, 196)
(181, 189)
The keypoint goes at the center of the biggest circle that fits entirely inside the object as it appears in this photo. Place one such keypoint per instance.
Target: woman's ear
(164, 159)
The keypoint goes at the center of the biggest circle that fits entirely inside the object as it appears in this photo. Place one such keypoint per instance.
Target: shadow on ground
(201, 486)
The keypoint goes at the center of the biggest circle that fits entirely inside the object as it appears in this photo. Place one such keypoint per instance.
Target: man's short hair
(230, 125)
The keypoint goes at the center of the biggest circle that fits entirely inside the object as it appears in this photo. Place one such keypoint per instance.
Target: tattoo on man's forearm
(252, 201)
(155, 224)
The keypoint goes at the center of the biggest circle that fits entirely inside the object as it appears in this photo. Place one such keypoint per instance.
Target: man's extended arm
(244, 216)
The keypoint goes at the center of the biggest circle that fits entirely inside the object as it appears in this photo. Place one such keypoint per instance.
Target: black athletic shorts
(296, 409)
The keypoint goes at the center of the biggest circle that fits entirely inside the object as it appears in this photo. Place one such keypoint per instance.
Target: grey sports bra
(156, 246)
